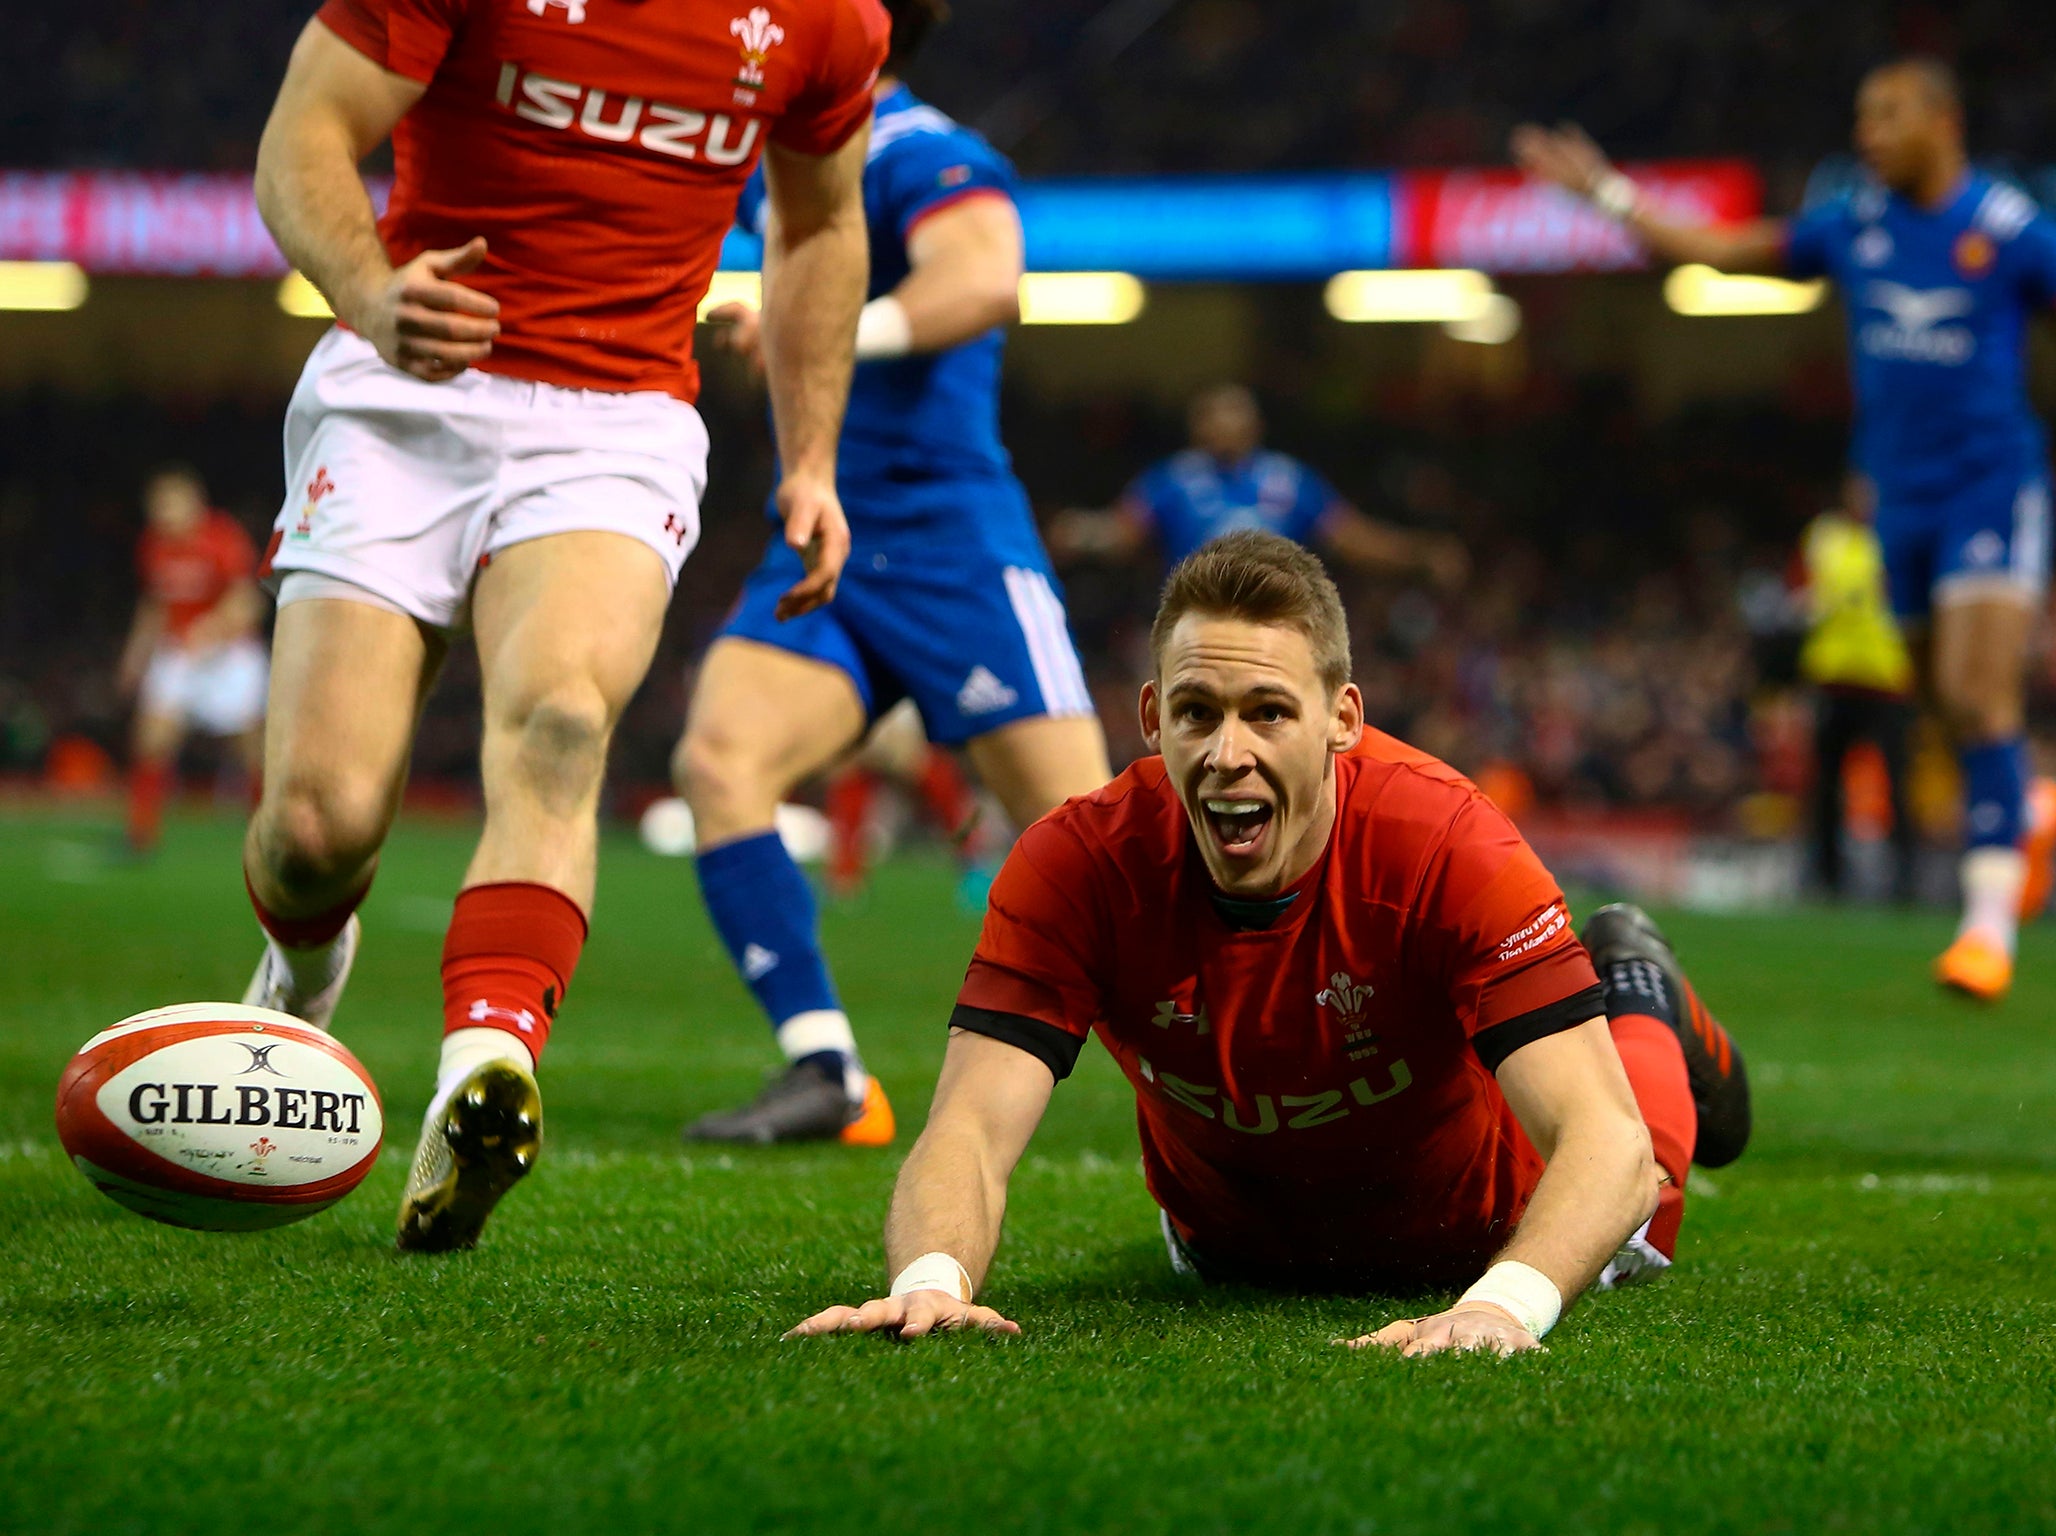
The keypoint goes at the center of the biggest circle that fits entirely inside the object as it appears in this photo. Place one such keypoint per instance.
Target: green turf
(1860, 1336)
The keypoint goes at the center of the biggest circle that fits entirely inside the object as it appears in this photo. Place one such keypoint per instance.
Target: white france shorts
(404, 489)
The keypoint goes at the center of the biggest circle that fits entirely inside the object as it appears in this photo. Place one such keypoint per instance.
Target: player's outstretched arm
(334, 108)
(952, 1195)
(965, 278)
(1358, 539)
(1116, 533)
(817, 263)
(1567, 156)
(1571, 1096)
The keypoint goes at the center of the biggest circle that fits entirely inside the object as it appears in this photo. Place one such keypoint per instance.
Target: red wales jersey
(600, 146)
(1315, 1097)
(190, 574)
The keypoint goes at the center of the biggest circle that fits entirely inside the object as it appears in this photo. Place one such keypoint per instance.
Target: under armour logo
(481, 1011)
(260, 1060)
(675, 526)
(1167, 1014)
(574, 10)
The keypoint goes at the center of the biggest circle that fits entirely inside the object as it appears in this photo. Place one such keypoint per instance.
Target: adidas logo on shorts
(983, 693)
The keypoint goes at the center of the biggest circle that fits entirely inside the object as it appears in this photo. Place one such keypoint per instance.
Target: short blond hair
(1260, 578)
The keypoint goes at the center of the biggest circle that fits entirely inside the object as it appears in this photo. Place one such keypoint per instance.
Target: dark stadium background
(1630, 482)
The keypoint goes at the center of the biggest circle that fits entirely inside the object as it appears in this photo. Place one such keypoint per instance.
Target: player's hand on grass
(426, 324)
(816, 527)
(907, 1317)
(739, 328)
(1565, 155)
(1475, 1325)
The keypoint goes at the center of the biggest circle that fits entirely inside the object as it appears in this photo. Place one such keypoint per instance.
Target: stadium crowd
(1605, 670)
(1087, 87)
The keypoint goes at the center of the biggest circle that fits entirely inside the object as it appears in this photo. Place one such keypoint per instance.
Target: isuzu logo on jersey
(677, 132)
(1915, 332)
(1284, 1111)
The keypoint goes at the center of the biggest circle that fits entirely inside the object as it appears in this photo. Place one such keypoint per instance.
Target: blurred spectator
(1863, 676)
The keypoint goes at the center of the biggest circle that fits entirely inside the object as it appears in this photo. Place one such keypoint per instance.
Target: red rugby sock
(308, 932)
(508, 959)
(148, 785)
(850, 794)
(945, 792)
(1656, 1072)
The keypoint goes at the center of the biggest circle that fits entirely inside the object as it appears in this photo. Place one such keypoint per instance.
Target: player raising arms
(500, 434)
(193, 657)
(1939, 267)
(1366, 1048)
(1227, 480)
(948, 599)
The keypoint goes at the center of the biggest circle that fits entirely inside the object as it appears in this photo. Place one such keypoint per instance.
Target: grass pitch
(1860, 1335)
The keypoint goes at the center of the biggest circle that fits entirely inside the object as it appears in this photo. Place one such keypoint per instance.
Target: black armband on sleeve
(1494, 1045)
(1055, 1048)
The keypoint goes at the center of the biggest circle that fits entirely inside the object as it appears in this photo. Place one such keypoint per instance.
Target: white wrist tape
(1523, 1290)
(883, 329)
(1614, 195)
(934, 1272)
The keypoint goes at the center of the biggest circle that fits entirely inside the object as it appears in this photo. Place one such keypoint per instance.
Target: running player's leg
(1686, 1073)
(347, 681)
(566, 625)
(763, 720)
(229, 706)
(154, 742)
(1979, 680)
(1992, 566)
(1035, 765)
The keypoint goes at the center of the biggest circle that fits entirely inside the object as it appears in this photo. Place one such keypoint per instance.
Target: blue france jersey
(1192, 497)
(933, 414)
(1938, 303)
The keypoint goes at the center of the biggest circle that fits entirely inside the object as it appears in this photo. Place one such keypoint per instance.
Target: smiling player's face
(1249, 732)
(1901, 127)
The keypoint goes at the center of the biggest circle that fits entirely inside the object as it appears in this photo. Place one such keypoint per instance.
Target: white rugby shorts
(218, 691)
(404, 489)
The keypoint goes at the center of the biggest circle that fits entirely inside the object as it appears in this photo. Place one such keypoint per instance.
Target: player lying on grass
(1368, 1052)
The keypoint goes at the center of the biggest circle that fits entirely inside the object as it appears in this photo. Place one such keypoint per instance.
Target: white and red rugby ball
(219, 1117)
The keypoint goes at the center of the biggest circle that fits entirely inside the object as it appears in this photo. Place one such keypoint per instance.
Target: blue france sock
(764, 911)
(1994, 792)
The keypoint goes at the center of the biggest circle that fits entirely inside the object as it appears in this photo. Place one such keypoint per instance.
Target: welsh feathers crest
(758, 35)
(1346, 997)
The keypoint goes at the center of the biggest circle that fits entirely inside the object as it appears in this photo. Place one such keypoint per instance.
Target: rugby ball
(219, 1117)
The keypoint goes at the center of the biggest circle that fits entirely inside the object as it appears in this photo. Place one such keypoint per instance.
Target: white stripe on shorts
(1041, 617)
(2031, 535)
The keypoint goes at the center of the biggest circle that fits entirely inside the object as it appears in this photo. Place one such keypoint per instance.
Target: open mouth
(1238, 827)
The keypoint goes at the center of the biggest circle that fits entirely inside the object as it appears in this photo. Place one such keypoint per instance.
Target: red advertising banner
(1501, 221)
(139, 222)
(207, 225)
